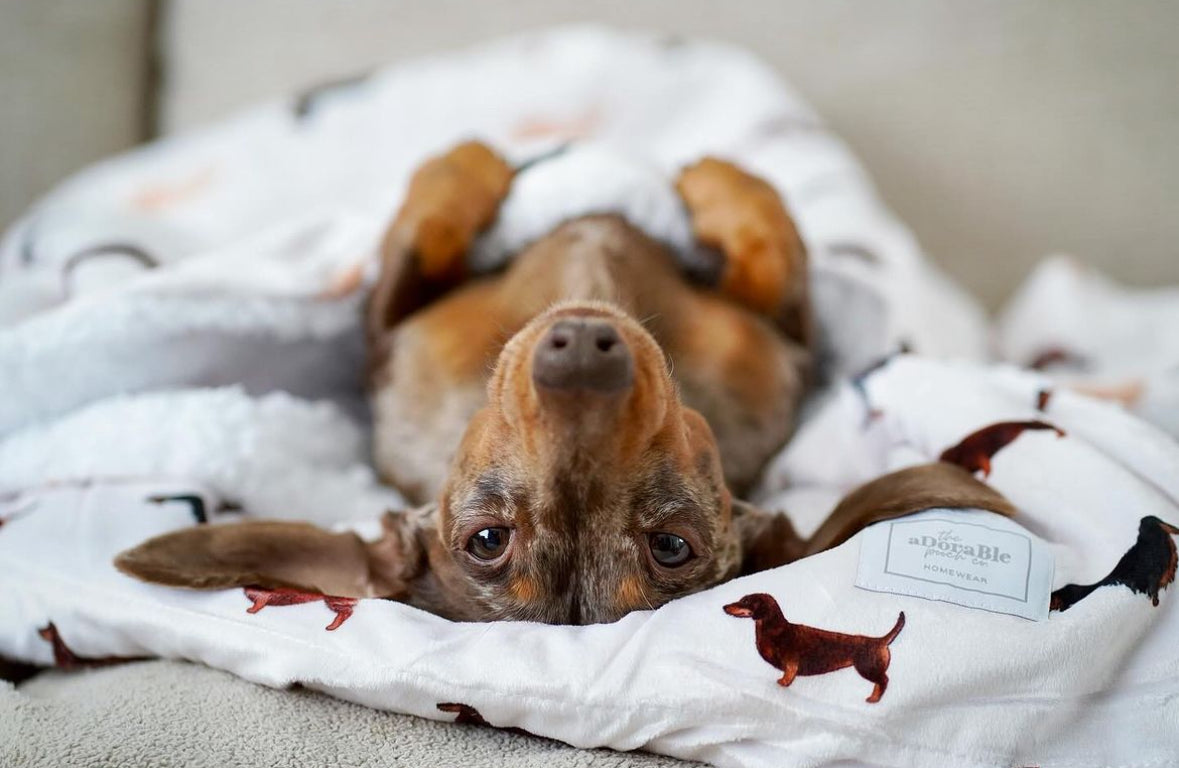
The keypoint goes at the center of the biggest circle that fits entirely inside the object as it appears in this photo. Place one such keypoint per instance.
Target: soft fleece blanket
(181, 347)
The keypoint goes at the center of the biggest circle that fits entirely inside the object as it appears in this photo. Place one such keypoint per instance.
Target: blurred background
(999, 130)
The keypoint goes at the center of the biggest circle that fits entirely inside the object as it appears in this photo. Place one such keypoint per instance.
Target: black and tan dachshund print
(797, 649)
(306, 101)
(1147, 568)
(465, 714)
(859, 382)
(195, 503)
(975, 451)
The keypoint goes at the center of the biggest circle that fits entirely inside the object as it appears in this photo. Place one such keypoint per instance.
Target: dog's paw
(742, 216)
(450, 200)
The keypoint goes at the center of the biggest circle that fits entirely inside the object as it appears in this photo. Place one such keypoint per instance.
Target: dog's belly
(818, 652)
(823, 664)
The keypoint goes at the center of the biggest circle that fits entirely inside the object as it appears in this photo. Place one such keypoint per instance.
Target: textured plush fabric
(160, 714)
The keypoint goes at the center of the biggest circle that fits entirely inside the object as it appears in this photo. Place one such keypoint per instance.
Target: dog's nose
(583, 353)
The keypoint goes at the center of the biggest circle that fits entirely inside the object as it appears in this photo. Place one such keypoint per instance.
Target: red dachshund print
(64, 658)
(17, 510)
(1147, 568)
(976, 450)
(1057, 357)
(341, 606)
(797, 649)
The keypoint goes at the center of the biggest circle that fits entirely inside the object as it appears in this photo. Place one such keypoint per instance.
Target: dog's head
(758, 606)
(584, 489)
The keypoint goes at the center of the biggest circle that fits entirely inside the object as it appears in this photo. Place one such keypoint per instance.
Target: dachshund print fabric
(341, 606)
(976, 450)
(797, 649)
(65, 658)
(246, 267)
(1147, 568)
(465, 714)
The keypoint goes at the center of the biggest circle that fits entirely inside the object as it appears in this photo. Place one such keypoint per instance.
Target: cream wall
(74, 80)
(1000, 130)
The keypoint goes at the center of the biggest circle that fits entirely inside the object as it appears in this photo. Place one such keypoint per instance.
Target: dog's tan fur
(581, 479)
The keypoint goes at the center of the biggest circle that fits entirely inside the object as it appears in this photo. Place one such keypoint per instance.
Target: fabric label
(974, 559)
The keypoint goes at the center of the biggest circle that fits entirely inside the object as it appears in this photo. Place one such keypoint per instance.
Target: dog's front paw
(743, 216)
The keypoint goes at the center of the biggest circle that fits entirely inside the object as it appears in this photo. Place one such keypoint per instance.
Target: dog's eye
(669, 550)
(489, 543)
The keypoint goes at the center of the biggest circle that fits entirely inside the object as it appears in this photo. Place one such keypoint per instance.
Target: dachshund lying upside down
(574, 426)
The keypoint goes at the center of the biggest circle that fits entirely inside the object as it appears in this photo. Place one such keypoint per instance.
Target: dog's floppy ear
(450, 200)
(765, 263)
(285, 554)
(904, 492)
(769, 540)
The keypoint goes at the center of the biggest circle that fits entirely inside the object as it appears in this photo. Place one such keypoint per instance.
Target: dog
(576, 429)
(797, 649)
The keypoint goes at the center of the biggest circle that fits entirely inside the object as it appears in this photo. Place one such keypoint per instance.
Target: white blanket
(134, 401)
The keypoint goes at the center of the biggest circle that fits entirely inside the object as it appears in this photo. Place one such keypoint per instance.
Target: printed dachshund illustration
(341, 606)
(859, 382)
(465, 714)
(65, 658)
(1057, 357)
(16, 507)
(575, 428)
(797, 649)
(1147, 568)
(975, 451)
(195, 504)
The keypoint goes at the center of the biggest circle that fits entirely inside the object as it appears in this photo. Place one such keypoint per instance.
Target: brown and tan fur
(580, 478)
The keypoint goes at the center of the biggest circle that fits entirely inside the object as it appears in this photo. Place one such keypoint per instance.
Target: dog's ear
(904, 492)
(450, 200)
(768, 539)
(765, 263)
(285, 554)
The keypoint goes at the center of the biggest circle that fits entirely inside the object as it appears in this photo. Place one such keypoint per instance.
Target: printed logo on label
(974, 559)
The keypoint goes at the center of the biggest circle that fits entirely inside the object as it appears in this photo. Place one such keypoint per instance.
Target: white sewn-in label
(972, 558)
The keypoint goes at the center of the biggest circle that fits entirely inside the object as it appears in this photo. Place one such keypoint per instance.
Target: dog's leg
(765, 266)
(878, 689)
(789, 672)
(450, 200)
(874, 669)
